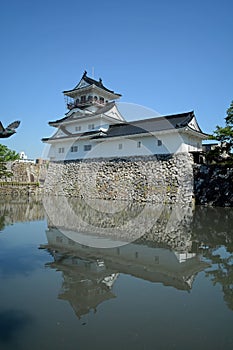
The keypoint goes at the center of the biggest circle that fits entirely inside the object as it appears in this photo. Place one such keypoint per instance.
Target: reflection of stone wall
(172, 229)
(153, 224)
(161, 179)
(20, 211)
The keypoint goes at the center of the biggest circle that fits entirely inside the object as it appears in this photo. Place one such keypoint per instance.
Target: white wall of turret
(84, 126)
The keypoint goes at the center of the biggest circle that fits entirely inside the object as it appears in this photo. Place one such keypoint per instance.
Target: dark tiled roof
(78, 135)
(170, 122)
(58, 121)
(91, 81)
(151, 125)
(101, 110)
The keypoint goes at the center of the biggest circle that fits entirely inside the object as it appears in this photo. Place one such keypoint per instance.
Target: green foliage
(225, 136)
(229, 117)
(6, 155)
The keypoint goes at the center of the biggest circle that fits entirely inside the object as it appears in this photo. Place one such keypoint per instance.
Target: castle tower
(89, 92)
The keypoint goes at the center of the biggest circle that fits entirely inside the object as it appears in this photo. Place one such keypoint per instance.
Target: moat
(81, 274)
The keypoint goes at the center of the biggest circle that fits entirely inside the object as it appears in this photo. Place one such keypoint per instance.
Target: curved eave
(191, 131)
(74, 121)
(57, 123)
(79, 136)
(154, 133)
(75, 92)
(98, 136)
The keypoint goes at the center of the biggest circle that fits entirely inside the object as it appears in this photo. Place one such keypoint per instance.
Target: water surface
(169, 288)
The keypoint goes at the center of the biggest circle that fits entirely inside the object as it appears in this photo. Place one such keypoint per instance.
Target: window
(87, 148)
(139, 144)
(120, 146)
(101, 100)
(83, 99)
(91, 126)
(61, 150)
(74, 149)
(78, 128)
(160, 143)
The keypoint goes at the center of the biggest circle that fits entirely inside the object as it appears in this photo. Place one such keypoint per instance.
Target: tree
(229, 117)
(6, 155)
(225, 136)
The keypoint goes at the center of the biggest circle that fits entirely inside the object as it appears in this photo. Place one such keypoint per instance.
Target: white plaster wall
(124, 147)
(84, 125)
(192, 143)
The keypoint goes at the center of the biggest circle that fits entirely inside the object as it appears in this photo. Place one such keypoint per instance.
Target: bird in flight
(9, 130)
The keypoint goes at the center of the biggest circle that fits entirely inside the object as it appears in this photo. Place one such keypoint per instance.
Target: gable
(82, 84)
(194, 125)
(59, 133)
(114, 113)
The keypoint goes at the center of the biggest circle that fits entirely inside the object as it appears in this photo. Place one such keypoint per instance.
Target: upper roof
(88, 82)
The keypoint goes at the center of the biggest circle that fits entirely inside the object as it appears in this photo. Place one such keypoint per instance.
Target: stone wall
(213, 185)
(27, 172)
(27, 179)
(21, 190)
(160, 179)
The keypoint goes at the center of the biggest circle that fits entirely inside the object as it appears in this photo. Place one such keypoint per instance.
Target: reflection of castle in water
(162, 255)
(86, 281)
(20, 210)
(102, 222)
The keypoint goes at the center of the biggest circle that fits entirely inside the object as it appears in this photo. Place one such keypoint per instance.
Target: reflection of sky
(19, 261)
(19, 248)
(12, 322)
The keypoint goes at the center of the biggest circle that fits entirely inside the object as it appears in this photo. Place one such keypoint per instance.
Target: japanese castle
(93, 127)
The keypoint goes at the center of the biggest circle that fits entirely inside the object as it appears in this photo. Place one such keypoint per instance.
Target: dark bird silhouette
(9, 130)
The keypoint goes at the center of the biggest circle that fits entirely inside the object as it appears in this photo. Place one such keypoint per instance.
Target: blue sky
(169, 56)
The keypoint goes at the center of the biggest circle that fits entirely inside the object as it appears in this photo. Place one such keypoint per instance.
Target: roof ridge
(163, 117)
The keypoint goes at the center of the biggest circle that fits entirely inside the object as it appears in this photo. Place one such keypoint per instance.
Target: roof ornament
(100, 81)
(84, 74)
